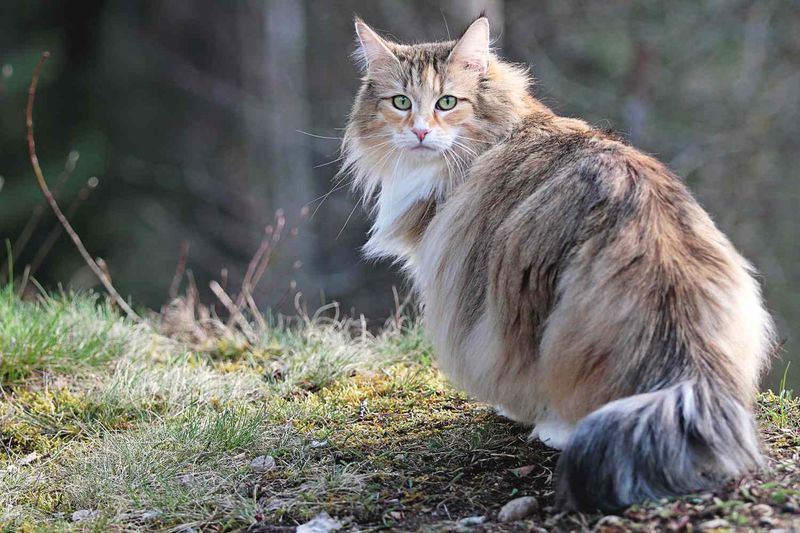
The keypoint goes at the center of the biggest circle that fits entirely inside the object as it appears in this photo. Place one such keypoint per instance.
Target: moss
(418, 445)
(362, 426)
(43, 420)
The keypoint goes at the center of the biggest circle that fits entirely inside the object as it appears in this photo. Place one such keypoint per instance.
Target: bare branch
(118, 300)
(180, 268)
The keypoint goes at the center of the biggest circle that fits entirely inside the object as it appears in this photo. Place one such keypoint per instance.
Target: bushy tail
(684, 438)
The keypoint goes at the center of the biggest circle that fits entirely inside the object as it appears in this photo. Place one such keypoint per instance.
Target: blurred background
(165, 123)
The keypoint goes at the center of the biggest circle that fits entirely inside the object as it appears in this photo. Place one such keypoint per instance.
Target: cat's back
(563, 220)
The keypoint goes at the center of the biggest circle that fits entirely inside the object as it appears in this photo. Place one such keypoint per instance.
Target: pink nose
(420, 133)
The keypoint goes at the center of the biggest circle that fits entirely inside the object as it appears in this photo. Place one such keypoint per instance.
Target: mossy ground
(143, 431)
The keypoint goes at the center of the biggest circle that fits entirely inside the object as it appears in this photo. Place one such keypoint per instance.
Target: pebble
(319, 443)
(322, 523)
(140, 516)
(609, 521)
(790, 508)
(472, 521)
(717, 523)
(518, 508)
(84, 514)
(262, 463)
(187, 479)
(28, 459)
(762, 509)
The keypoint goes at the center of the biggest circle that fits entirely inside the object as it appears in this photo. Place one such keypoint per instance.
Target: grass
(132, 427)
(60, 333)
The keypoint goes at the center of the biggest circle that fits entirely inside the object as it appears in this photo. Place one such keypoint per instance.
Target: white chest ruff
(407, 184)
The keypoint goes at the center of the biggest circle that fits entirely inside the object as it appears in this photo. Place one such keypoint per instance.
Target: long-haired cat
(566, 277)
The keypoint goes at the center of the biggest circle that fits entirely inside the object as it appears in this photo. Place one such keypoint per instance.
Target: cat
(565, 276)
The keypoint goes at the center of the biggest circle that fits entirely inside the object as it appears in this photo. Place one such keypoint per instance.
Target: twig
(255, 312)
(259, 262)
(280, 223)
(251, 267)
(236, 314)
(112, 292)
(55, 233)
(223, 278)
(180, 268)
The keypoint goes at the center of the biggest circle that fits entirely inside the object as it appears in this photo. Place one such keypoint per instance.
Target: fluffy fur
(566, 277)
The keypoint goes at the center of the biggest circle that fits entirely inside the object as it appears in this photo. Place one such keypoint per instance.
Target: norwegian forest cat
(566, 277)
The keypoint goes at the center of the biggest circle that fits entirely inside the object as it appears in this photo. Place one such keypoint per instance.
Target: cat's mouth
(422, 149)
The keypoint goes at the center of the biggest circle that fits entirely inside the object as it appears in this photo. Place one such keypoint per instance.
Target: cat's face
(426, 111)
(421, 104)
(418, 102)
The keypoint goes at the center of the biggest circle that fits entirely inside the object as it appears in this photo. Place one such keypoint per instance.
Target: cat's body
(566, 277)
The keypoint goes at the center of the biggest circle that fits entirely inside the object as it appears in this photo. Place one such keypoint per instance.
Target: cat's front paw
(553, 433)
(507, 413)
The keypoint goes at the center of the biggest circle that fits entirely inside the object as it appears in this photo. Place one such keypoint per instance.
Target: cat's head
(428, 105)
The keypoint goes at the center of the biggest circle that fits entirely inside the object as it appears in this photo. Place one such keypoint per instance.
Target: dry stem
(95, 268)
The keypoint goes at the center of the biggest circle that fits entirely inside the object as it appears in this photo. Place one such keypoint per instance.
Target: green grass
(151, 431)
(62, 333)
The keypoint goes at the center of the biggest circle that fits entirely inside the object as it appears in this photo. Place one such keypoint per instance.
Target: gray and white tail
(688, 437)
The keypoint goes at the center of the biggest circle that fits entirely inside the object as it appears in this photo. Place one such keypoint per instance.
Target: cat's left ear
(472, 49)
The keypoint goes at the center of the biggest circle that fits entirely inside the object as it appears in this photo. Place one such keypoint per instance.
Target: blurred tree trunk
(286, 99)
(275, 73)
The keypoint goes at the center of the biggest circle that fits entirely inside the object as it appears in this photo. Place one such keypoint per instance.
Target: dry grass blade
(93, 266)
(235, 312)
(179, 270)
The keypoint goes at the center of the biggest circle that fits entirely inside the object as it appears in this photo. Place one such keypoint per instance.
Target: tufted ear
(472, 49)
(373, 52)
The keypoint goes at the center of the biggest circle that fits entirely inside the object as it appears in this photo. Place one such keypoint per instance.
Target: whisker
(466, 148)
(329, 162)
(347, 220)
(319, 136)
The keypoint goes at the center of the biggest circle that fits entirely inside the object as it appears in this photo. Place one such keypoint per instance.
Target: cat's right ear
(373, 51)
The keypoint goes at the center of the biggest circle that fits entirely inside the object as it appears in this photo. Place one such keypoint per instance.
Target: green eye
(446, 102)
(403, 103)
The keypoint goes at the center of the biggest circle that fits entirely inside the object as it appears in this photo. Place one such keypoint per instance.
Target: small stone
(790, 508)
(187, 479)
(28, 459)
(262, 463)
(322, 523)
(610, 521)
(139, 516)
(319, 444)
(274, 505)
(518, 508)
(766, 521)
(84, 514)
(717, 523)
(762, 509)
(147, 516)
(472, 521)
